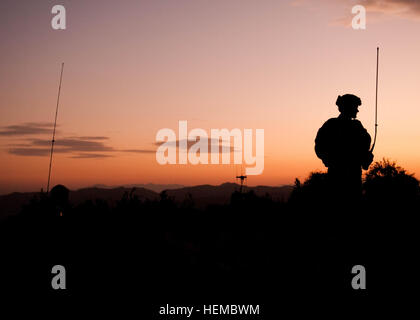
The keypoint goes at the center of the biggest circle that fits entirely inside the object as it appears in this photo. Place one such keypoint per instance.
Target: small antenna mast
(242, 177)
(55, 124)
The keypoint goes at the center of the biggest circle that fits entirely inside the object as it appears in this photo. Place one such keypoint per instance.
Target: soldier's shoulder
(357, 123)
(330, 122)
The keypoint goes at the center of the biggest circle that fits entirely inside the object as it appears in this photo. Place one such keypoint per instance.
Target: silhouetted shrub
(314, 190)
(387, 183)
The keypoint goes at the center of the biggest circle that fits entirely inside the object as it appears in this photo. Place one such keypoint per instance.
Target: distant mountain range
(151, 186)
(202, 195)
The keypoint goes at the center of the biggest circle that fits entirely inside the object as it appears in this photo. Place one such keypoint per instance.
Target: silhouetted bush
(313, 191)
(387, 183)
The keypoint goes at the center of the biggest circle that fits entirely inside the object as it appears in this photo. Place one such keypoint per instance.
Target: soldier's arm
(364, 136)
(365, 140)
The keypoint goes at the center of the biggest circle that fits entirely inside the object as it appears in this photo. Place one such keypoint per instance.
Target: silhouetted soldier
(343, 144)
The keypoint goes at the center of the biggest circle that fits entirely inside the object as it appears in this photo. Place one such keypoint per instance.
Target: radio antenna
(55, 124)
(376, 100)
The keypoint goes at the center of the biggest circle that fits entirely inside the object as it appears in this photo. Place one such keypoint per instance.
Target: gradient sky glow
(133, 67)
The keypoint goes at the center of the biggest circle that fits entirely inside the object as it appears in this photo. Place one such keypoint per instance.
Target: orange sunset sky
(134, 67)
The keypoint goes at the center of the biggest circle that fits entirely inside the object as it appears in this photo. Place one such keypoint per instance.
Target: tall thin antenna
(55, 124)
(376, 100)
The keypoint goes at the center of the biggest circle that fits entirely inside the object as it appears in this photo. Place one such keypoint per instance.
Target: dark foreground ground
(140, 255)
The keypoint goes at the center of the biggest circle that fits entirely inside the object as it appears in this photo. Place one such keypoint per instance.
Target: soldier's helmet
(348, 100)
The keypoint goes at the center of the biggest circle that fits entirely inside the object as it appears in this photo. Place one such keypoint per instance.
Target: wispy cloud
(82, 147)
(25, 140)
(91, 155)
(138, 151)
(29, 151)
(210, 142)
(25, 129)
(41, 147)
(376, 10)
(76, 144)
(409, 8)
(91, 138)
